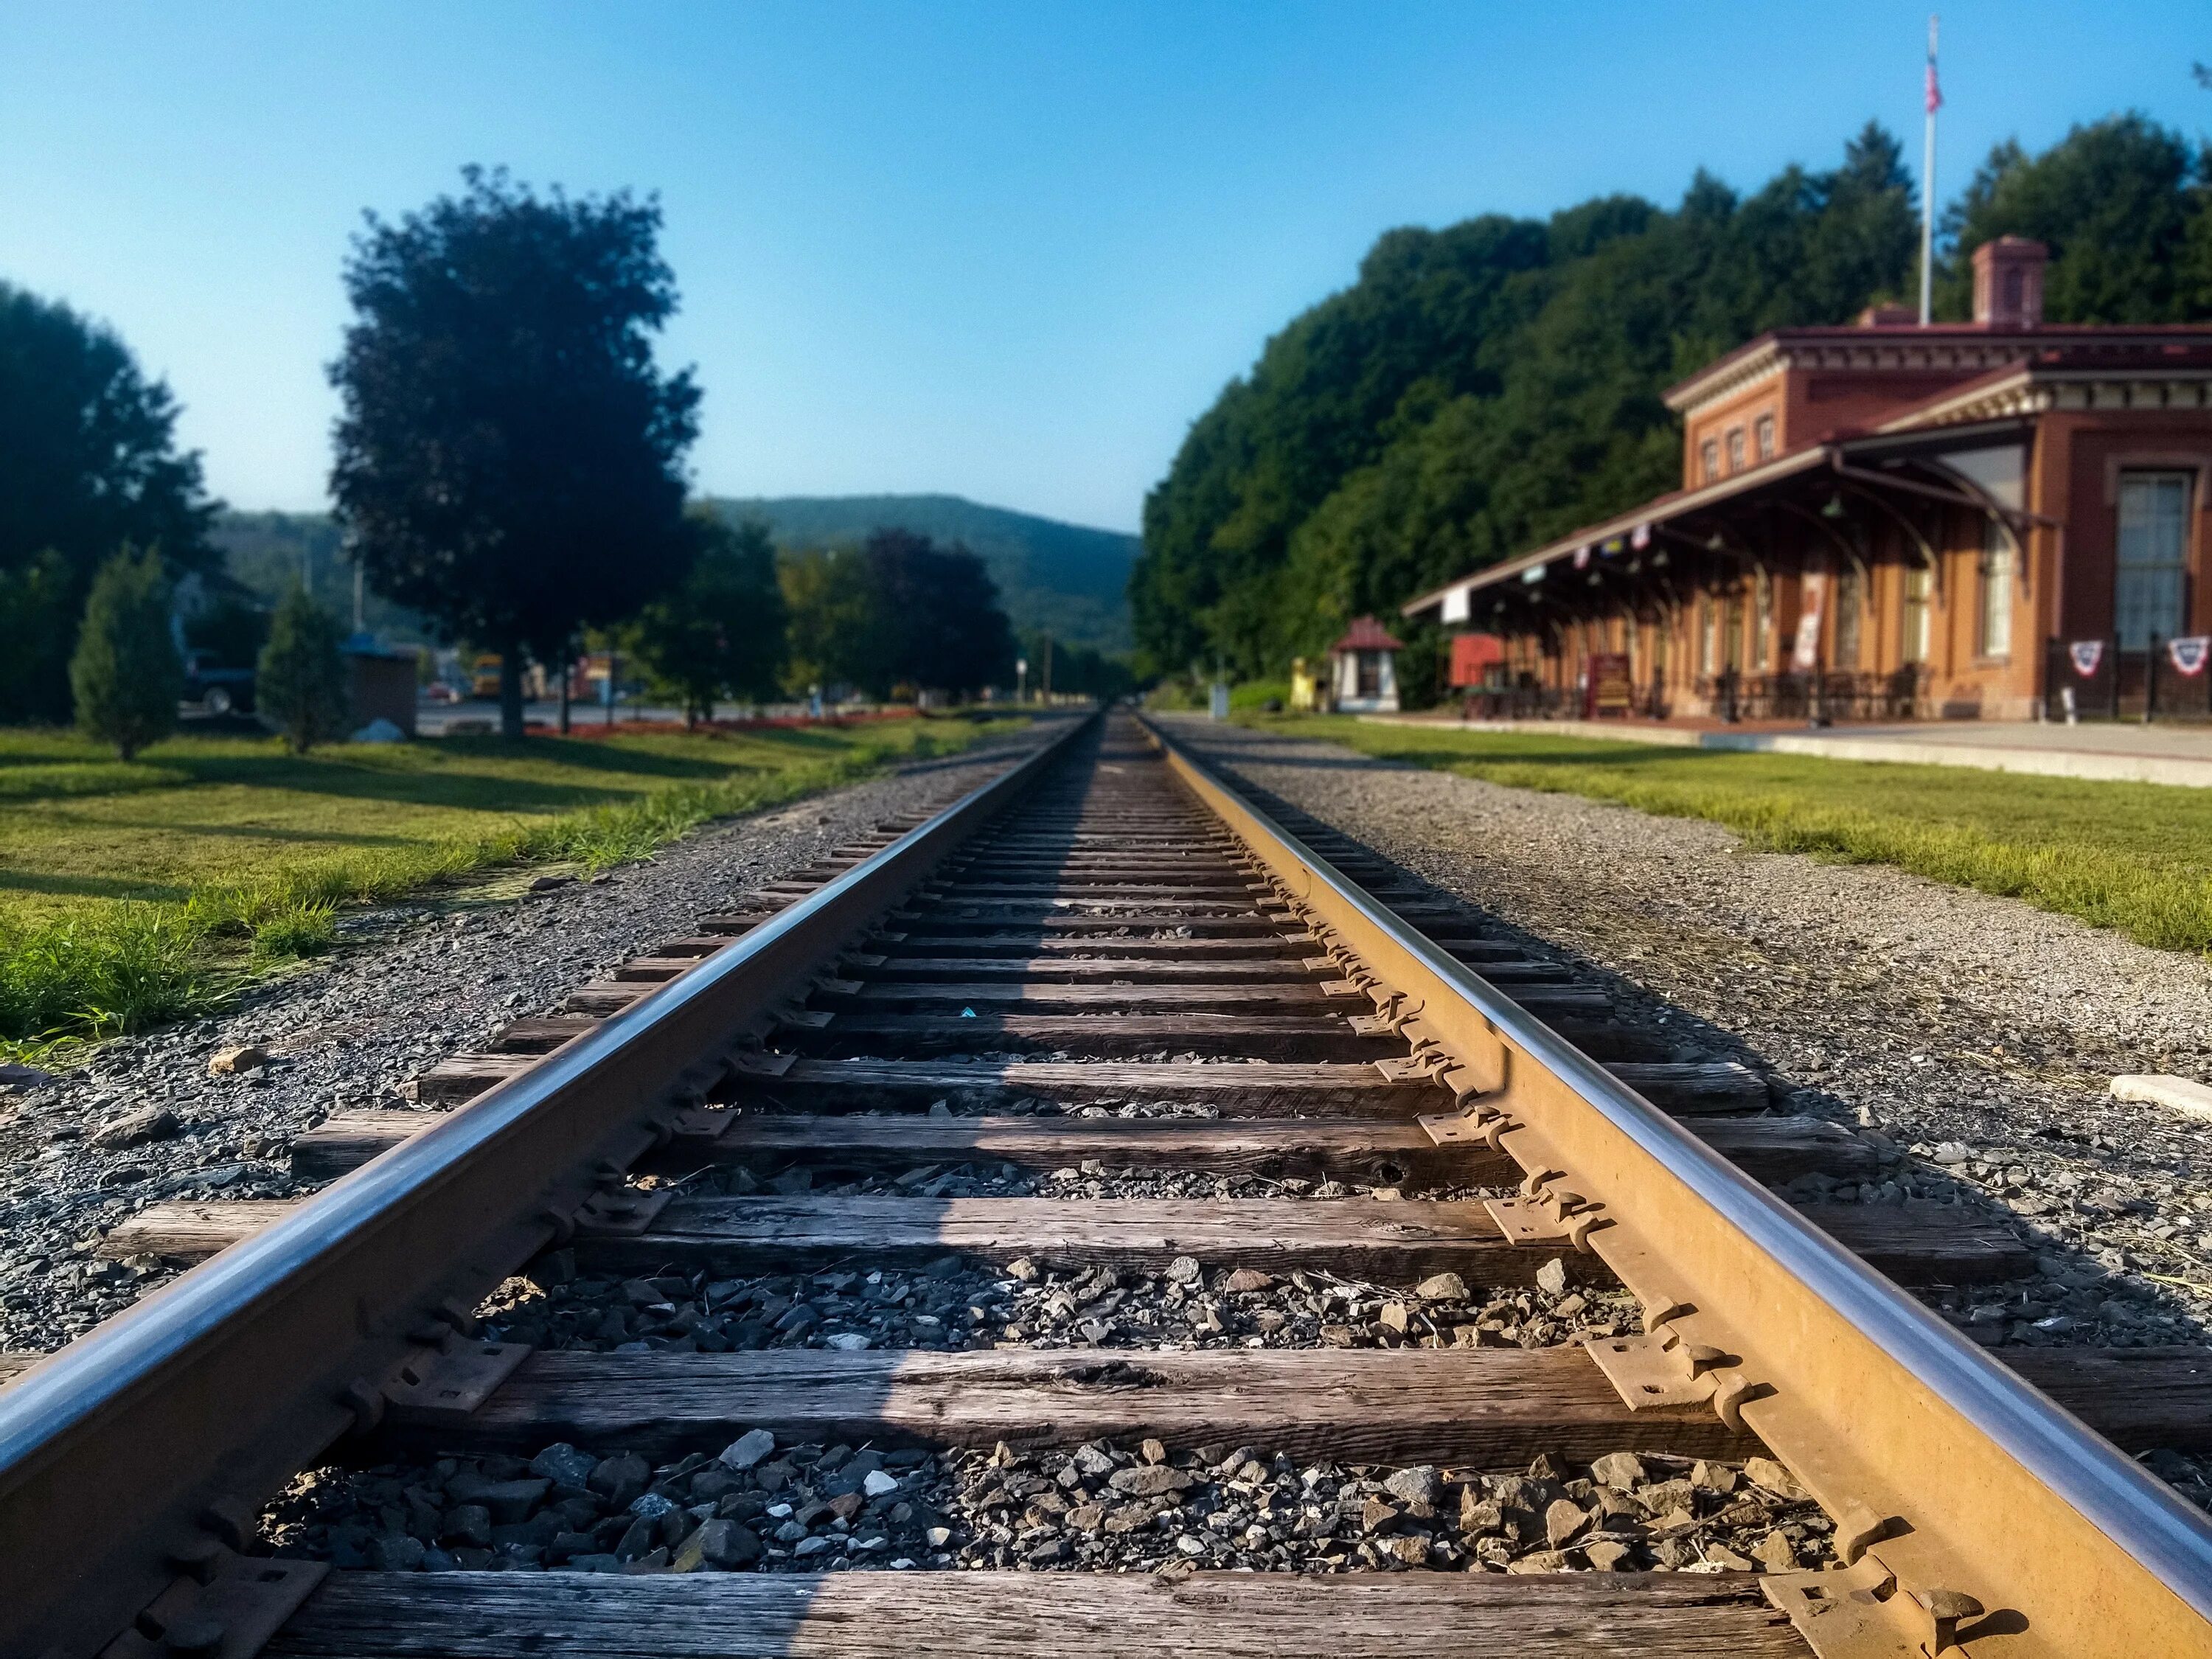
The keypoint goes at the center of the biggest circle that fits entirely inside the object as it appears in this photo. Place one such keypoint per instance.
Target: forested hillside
(1065, 579)
(1483, 387)
(1052, 577)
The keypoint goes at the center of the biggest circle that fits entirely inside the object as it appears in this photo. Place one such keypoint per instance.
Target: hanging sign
(2087, 654)
(1455, 605)
(1640, 538)
(2189, 653)
(1805, 654)
(1582, 558)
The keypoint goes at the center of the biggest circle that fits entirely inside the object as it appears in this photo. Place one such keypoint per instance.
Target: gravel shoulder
(411, 984)
(1979, 1033)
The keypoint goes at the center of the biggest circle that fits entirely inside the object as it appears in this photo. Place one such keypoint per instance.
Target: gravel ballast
(1979, 1034)
(411, 984)
(760, 1507)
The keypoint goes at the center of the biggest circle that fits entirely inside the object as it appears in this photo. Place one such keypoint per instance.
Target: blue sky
(1006, 251)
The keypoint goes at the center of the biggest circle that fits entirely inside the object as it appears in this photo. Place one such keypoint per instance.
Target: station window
(2152, 578)
(1735, 449)
(1995, 624)
(1762, 434)
(1762, 622)
(1709, 461)
(1707, 655)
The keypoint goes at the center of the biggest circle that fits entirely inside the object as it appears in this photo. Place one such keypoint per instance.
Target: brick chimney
(2008, 282)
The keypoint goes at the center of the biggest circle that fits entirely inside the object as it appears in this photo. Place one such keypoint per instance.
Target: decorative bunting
(2188, 654)
(2087, 654)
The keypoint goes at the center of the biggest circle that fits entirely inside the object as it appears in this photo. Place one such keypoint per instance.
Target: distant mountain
(1063, 578)
(1066, 578)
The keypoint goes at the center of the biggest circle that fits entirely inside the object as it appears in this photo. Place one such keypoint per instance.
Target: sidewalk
(2103, 751)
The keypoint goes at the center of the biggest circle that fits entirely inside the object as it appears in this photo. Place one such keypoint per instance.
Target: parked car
(439, 691)
(214, 691)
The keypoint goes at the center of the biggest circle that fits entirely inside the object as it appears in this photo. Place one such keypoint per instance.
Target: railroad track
(1086, 1220)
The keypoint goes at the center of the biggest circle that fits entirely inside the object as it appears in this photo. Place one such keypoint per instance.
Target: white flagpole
(1927, 188)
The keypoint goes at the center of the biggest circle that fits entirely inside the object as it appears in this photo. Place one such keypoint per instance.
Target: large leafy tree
(720, 634)
(897, 611)
(938, 621)
(2122, 206)
(88, 464)
(509, 456)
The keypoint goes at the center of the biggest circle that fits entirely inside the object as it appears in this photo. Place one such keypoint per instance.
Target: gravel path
(1977, 1032)
(411, 984)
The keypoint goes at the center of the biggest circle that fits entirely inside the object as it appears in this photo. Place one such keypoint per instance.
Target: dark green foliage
(1479, 388)
(1065, 579)
(231, 629)
(1077, 669)
(38, 621)
(508, 456)
(721, 633)
(2121, 204)
(89, 463)
(125, 674)
(302, 680)
(898, 611)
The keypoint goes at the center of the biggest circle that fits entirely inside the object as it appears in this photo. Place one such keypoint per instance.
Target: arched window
(1994, 632)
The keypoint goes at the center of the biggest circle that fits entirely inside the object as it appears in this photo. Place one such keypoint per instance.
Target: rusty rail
(125, 1456)
(1970, 1506)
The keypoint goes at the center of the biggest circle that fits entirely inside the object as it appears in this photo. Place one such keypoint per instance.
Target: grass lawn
(2132, 856)
(135, 892)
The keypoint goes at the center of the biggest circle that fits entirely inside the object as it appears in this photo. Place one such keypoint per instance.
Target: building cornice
(1949, 350)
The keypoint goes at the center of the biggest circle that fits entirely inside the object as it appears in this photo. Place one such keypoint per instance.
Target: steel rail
(121, 1454)
(1982, 1483)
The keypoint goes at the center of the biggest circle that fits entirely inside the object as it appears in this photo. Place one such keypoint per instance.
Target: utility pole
(1044, 673)
(1934, 101)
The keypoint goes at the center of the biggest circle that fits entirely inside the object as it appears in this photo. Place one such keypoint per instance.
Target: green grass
(2136, 857)
(136, 893)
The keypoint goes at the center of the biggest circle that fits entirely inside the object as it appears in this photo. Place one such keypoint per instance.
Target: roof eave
(1658, 509)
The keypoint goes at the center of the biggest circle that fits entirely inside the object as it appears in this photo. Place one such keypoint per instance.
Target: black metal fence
(2096, 679)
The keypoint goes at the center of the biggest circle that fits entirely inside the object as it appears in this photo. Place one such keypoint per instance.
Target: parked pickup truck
(216, 691)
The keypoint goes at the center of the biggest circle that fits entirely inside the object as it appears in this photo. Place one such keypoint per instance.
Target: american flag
(1934, 92)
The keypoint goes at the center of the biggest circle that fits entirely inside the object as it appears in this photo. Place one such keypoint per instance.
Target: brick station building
(1885, 521)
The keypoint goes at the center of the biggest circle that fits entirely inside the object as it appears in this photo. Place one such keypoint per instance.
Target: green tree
(830, 610)
(2122, 206)
(898, 610)
(126, 673)
(721, 633)
(509, 457)
(937, 624)
(89, 463)
(300, 682)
